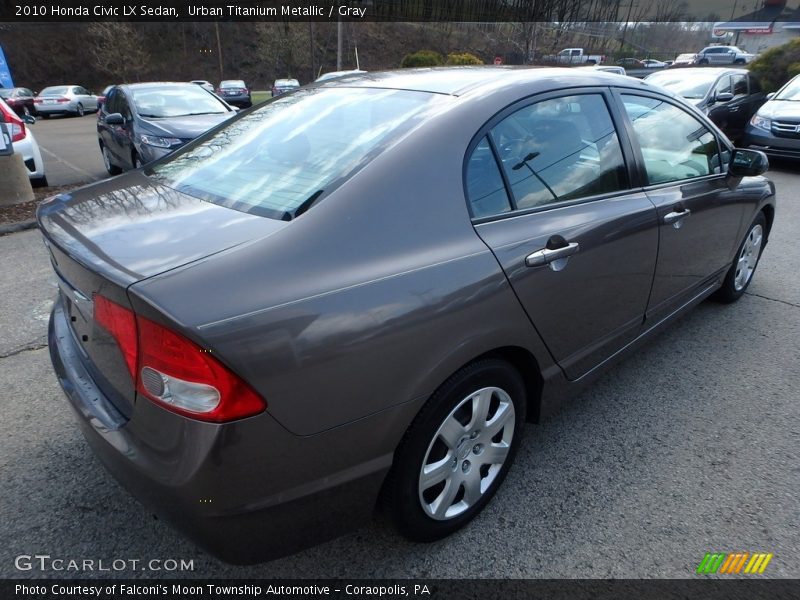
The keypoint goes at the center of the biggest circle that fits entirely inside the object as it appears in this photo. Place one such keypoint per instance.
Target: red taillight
(17, 125)
(62, 100)
(175, 372)
(37, 100)
(120, 322)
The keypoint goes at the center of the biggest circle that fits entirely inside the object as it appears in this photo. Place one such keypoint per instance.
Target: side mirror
(29, 120)
(724, 97)
(747, 163)
(770, 95)
(115, 119)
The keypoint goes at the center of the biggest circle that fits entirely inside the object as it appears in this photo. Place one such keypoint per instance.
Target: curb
(19, 226)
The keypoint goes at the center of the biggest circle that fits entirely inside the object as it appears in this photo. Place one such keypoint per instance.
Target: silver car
(723, 55)
(65, 100)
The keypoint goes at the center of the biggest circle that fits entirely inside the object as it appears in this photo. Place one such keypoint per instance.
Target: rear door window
(485, 188)
(560, 149)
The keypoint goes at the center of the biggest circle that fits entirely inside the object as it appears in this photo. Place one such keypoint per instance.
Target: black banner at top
(394, 10)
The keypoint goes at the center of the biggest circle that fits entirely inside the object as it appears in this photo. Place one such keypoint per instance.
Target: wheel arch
(769, 214)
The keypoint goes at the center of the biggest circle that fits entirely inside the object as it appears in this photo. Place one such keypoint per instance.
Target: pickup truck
(576, 56)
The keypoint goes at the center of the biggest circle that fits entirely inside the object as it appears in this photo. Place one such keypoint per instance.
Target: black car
(141, 122)
(235, 92)
(730, 97)
(281, 86)
(775, 128)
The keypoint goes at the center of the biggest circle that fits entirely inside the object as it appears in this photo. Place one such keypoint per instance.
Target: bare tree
(117, 49)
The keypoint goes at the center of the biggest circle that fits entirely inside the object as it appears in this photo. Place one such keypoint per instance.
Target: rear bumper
(247, 491)
(243, 101)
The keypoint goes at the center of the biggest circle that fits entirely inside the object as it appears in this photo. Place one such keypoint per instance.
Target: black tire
(45, 116)
(79, 112)
(422, 443)
(739, 61)
(39, 182)
(110, 167)
(702, 61)
(733, 287)
(136, 161)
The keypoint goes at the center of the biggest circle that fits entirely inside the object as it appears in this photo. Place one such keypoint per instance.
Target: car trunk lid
(105, 237)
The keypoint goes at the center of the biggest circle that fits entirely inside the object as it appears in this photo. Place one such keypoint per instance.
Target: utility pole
(311, 49)
(339, 44)
(219, 50)
(625, 27)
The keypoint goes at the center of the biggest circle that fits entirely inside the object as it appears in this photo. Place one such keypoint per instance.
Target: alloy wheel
(466, 453)
(748, 257)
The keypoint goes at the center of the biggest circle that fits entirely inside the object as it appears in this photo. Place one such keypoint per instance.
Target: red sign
(498, 60)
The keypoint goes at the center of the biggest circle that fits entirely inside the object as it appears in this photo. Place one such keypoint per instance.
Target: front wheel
(110, 166)
(457, 452)
(745, 262)
(703, 61)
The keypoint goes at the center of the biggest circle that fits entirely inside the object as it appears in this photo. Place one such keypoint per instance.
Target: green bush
(463, 58)
(777, 65)
(422, 58)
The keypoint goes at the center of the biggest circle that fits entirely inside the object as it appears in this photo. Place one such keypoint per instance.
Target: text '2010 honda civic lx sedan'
(361, 290)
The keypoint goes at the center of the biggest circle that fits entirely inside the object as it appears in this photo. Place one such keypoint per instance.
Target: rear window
(232, 84)
(54, 91)
(279, 159)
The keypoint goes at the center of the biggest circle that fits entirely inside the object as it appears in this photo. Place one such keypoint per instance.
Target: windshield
(54, 91)
(232, 84)
(175, 101)
(5, 93)
(791, 91)
(278, 160)
(689, 85)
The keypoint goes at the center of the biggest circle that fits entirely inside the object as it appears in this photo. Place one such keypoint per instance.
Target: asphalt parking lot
(690, 446)
(69, 149)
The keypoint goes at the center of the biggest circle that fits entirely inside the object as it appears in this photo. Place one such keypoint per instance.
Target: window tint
(485, 188)
(739, 85)
(560, 149)
(111, 104)
(122, 104)
(674, 144)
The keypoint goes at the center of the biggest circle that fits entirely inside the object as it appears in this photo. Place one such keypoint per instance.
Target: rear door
(699, 216)
(549, 191)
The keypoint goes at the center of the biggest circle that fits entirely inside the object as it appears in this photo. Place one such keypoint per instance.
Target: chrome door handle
(675, 218)
(547, 256)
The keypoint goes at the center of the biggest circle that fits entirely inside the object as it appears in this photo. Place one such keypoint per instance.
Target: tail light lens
(17, 126)
(173, 371)
(37, 100)
(62, 100)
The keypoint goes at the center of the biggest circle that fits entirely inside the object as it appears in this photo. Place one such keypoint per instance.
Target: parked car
(723, 55)
(24, 143)
(206, 85)
(19, 99)
(296, 315)
(102, 97)
(74, 100)
(775, 128)
(684, 60)
(142, 122)
(650, 63)
(730, 97)
(334, 74)
(281, 86)
(235, 92)
(631, 63)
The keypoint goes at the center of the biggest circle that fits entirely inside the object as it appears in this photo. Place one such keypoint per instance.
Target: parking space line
(68, 164)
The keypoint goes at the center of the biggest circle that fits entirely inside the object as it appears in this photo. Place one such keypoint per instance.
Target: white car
(650, 63)
(723, 55)
(65, 100)
(24, 143)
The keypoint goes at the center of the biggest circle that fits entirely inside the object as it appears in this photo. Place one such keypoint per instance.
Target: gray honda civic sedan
(355, 295)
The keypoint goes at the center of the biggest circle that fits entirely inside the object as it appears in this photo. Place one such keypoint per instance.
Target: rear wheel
(739, 61)
(745, 262)
(45, 116)
(457, 452)
(79, 110)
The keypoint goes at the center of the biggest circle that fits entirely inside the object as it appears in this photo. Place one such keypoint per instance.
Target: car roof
(456, 81)
(156, 84)
(707, 71)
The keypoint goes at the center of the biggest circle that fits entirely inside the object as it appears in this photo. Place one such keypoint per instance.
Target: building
(774, 24)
